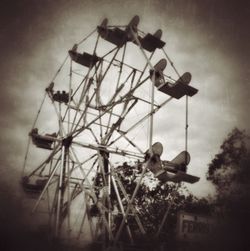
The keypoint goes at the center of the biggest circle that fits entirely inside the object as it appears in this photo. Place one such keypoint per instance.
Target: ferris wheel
(99, 112)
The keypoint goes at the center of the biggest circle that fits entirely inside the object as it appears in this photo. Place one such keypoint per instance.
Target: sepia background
(210, 39)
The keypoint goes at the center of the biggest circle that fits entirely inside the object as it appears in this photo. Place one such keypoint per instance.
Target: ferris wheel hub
(66, 142)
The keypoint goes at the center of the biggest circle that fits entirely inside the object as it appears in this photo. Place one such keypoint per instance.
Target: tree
(229, 171)
(227, 166)
(154, 199)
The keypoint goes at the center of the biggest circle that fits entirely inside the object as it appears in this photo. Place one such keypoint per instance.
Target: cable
(28, 144)
(186, 114)
(171, 62)
(58, 71)
(85, 38)
(186, 129)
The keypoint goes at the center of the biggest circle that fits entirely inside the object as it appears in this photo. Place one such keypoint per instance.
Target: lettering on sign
(191, 227)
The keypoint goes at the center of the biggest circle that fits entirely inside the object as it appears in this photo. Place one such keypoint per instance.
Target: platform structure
(100, 105)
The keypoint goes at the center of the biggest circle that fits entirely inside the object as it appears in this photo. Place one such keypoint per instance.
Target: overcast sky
(208, 38)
